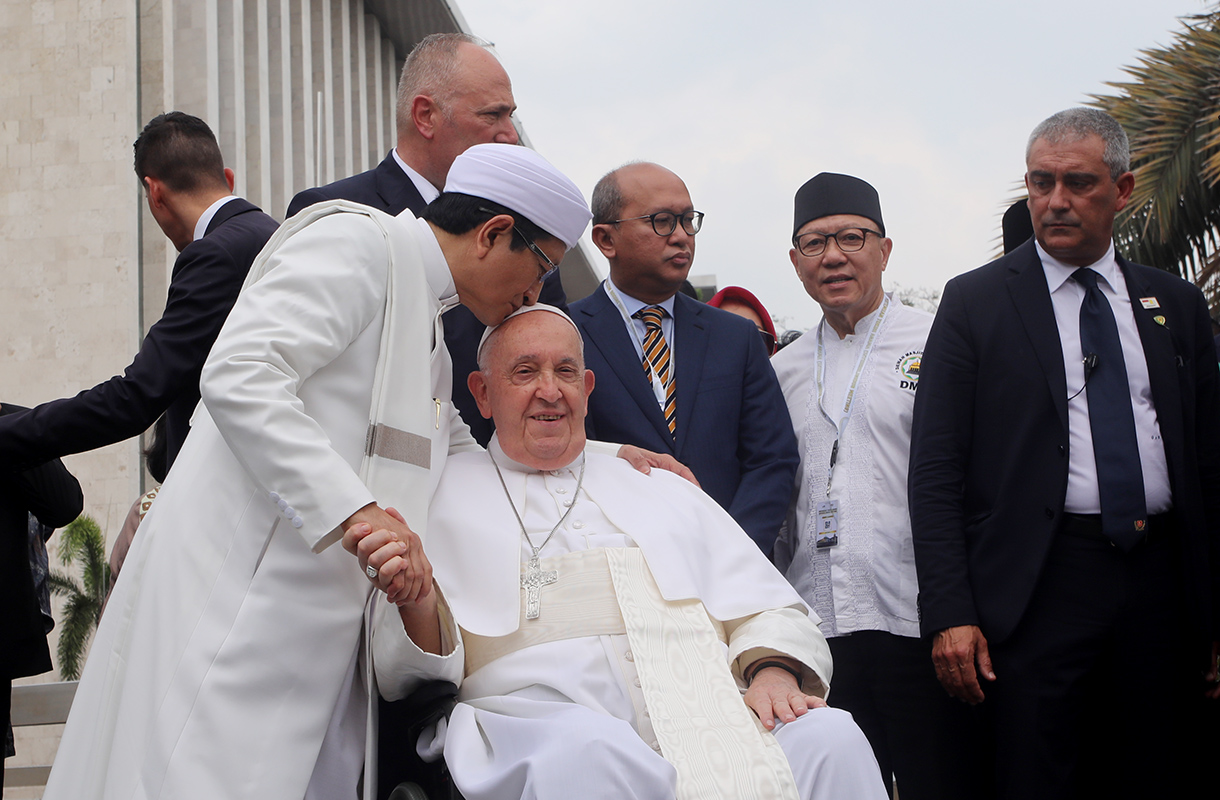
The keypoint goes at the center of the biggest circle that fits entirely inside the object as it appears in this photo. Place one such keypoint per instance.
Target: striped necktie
(656, 359)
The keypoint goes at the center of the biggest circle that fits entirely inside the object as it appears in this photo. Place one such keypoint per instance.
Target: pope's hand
(774, 694)
(644, 460)
(380, 539)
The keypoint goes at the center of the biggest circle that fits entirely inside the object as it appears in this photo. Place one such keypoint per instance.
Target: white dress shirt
(422, 185)
(1066, 297)
(628, 306)
(205, 219)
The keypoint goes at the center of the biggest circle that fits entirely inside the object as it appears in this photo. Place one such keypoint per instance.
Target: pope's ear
(477, 384)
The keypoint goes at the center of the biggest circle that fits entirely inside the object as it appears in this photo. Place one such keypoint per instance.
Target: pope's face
(1073, 199)
(536, 389)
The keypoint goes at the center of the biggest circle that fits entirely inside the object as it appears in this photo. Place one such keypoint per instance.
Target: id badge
(828, 524)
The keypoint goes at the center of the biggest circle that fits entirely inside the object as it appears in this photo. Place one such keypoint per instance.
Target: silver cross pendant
(532, 581)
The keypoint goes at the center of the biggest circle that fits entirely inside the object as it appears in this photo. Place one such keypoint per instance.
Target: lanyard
(849, 399)
(658, 388)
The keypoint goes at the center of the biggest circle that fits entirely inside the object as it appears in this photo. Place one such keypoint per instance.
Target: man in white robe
(227, 666)
(602, 624)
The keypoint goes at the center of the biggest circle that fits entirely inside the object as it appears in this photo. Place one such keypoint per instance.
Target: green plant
(81, 541)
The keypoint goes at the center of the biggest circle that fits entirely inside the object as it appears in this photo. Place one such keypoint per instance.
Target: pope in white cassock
(602, 625)
(227, 666)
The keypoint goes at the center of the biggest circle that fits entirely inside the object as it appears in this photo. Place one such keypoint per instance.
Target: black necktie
(1120, 480)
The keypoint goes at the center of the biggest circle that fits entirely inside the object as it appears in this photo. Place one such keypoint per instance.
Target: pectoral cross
(532, 581)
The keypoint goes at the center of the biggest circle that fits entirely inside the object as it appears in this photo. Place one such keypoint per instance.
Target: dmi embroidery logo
(908, 368)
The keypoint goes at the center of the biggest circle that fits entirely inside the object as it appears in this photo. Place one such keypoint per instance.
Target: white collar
(422, 185)
(632, 305)
(1057, 273)
(436, 268)
(497, 452)
(205, 219)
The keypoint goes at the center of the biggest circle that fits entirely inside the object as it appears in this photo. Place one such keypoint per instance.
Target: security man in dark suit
(217, 235)
(452, 94)
(675, 375)
(1065, 491)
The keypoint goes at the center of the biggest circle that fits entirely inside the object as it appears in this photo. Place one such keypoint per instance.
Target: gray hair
(431, 68)
(1078, 123)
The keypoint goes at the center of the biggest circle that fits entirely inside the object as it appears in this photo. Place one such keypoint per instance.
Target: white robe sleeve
(782, 632)
(400, 666)
(326, 284)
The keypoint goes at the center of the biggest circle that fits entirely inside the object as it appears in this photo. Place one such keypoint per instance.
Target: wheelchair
(401, 773)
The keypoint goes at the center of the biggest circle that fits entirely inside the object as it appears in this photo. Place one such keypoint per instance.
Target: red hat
(747, 297)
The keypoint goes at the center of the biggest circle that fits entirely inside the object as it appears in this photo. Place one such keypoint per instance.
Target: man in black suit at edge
(452, 94)
(1065, 492)
(217, 235)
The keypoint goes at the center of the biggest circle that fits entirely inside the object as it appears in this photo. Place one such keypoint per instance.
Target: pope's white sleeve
(399, 664)
(781, 632)
(326, 284)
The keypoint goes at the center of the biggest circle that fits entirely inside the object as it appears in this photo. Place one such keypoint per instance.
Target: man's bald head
(453, 93)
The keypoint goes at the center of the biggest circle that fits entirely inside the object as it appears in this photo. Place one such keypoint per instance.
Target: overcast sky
(929, 102)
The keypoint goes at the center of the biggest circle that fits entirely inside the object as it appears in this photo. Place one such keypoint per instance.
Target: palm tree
(1171, 112)
(81, 541)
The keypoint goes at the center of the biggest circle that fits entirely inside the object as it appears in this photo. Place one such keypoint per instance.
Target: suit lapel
(1032, 298)
(690, 348)
(396, 189)
(605, 330)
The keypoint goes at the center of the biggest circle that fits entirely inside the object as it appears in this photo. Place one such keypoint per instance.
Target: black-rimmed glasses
(665, 223)
(550, 267)
(849, 240)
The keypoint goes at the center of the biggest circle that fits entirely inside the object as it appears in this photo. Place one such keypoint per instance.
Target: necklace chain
(535, 550)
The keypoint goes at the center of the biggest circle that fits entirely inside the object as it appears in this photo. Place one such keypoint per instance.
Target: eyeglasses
(849, 240)
(550, 267)
(768, 341)
(665, 222)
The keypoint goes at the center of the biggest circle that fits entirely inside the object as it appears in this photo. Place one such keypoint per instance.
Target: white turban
(525, 310)
(521, 180)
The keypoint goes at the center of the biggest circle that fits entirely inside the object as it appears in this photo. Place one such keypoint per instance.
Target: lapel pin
(1159, 320)
(1149, 302)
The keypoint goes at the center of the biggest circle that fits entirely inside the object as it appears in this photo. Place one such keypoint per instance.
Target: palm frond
(1171, 112)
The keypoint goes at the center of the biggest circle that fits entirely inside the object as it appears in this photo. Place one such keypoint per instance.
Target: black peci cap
(830, 193)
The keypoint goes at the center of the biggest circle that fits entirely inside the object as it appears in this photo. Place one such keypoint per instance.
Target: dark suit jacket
(164, 376)
(733, 428)
(989, 445)
(389, 189)
(51, 494)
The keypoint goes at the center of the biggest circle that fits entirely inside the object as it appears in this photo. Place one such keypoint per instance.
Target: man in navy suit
(452, 94)
(217, 235)
(706, 393)
(1065, 491)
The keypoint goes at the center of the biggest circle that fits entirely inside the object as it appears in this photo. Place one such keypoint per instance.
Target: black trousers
(1097, 692)
(923, 738)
